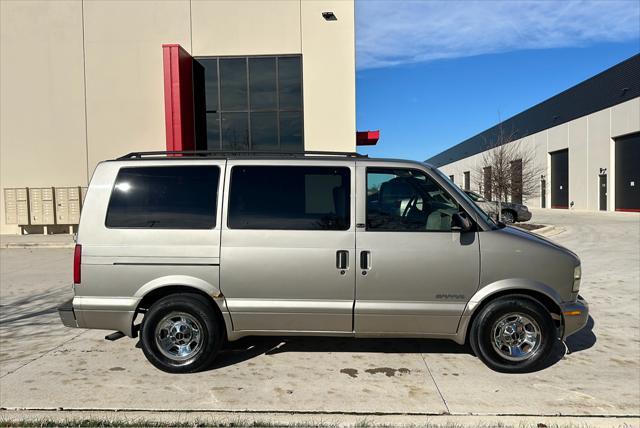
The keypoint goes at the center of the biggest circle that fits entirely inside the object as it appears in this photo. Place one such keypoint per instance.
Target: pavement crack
(43, 354)
(446, 406)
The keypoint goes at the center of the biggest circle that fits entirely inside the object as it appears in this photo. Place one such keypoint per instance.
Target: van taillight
(77, 260)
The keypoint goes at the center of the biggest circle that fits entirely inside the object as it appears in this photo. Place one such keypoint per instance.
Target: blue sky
(431, 74)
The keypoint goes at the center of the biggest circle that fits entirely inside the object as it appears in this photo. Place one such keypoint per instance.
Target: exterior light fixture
(603, 171)
(329, 16)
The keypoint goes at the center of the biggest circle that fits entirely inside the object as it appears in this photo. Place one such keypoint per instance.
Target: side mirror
(460, 222)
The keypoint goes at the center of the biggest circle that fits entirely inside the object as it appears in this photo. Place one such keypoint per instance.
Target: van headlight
(577, 275)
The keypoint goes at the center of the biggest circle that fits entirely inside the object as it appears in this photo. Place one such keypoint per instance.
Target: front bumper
(67, 315)
(575, 316)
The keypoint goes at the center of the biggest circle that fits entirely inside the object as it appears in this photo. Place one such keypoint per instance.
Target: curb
(14, 245)
(549, 231)
(286, 419)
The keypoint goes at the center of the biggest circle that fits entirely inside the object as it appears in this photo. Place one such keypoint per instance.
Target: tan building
(585, 142)
(84, 81)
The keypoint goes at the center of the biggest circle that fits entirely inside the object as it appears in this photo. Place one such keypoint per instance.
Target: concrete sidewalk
(62, 240)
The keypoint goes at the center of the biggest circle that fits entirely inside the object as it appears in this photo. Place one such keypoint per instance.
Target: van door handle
(342, 259)
(365, 260)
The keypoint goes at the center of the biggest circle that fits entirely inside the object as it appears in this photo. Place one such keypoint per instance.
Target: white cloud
(398, 32)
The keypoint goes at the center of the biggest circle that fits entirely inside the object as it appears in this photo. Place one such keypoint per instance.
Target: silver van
(189, 250)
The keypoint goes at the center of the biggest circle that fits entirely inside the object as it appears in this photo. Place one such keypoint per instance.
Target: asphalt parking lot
(44, 365)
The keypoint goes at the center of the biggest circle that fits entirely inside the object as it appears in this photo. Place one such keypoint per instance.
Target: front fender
(485, 293)
(511, 284)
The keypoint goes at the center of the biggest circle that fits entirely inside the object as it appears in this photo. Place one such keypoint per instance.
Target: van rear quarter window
(289, 197)
(164, 197)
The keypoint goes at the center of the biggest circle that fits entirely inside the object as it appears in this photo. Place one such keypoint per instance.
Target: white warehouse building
(586, 138)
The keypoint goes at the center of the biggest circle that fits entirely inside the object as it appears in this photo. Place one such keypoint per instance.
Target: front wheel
(513, 334)
(180, 333)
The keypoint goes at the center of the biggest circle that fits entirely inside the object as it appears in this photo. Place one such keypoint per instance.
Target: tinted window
(258, 111)
(407, 200)
(262, 78)
(211, 84)
(173, 197)
(233, 83)
(289, 81)
(235, 131)
(264, 131)
(296, 198)
(213, 131)
(291, 131)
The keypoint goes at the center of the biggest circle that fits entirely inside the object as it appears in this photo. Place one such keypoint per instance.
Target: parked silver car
(511, 211)
(189, 251)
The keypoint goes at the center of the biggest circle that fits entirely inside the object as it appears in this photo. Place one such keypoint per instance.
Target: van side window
(164, 197)
(289, 197)
(407, 200)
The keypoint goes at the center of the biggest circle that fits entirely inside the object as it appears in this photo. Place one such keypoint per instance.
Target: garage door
(627, 173)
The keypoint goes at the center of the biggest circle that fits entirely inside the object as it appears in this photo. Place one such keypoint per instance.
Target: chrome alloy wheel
(516, 337)
(179, 336)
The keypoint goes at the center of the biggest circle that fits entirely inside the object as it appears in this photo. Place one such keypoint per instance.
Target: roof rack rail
(224, 154)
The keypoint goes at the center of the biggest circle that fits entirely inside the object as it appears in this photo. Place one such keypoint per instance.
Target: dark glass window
(158, 197)
(210, 84)
(235, 131)
(233, 83)
(407, 200)
(289, 197)
(264, 131)
(249, 103)
(213, 131)
(262, 83)
(291, 131)
(289, 80)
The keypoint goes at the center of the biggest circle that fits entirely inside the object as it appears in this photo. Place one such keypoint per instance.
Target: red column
(178, 97)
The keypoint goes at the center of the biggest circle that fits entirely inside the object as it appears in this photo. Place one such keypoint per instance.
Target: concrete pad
(44, 365)
(91, 373)
(602, 374)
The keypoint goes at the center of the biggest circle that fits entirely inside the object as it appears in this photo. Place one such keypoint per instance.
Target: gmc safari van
(188, 250)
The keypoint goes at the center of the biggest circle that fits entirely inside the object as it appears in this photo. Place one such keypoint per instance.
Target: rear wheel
(513, 334)
(181, 333)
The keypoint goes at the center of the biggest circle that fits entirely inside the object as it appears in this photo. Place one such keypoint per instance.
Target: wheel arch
(538, 292)
(162, 287)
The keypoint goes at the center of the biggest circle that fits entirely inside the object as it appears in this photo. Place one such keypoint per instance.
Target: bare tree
(508, 171)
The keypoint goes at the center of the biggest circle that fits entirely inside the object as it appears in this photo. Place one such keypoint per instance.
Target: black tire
(509, 217)
(481, 335)
(199, 310)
